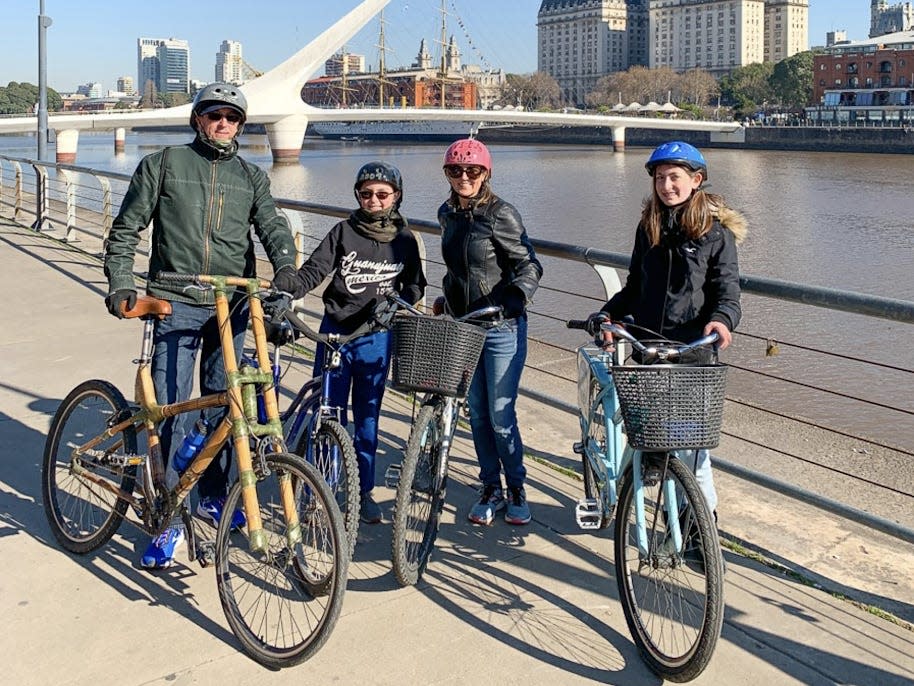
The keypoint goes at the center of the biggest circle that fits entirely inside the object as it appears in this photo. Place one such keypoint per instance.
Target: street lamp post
(43, 24)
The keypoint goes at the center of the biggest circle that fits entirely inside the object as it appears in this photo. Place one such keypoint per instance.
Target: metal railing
(78, 204)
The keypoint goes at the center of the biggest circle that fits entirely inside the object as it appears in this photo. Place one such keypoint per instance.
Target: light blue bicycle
(668, 561)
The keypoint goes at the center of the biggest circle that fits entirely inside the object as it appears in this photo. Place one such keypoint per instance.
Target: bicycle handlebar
(211, 279)
(481, 313)
(652, 352)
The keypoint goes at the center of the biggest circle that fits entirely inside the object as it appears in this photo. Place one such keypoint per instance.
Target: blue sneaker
(518, 511)
(491, 500)
(211, 508)
(161, 551)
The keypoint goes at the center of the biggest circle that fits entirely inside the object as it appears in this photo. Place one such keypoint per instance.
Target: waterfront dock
(514, 605)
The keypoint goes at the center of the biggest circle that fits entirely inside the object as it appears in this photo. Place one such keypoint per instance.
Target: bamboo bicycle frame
(241, 423)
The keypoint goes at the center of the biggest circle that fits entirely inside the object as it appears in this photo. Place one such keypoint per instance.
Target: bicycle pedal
(588, 513)
(392, 476)
(578, 447)
(206, 553)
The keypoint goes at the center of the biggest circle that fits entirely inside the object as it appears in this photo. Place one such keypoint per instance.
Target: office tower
(165, 62)
(125, 85)
(886, 18)
(230, 63)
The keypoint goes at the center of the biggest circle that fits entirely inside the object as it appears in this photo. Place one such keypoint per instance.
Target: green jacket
(202, 203)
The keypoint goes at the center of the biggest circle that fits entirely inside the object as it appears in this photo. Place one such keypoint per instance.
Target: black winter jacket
(364, 271)
(677, 287)
(489, 258)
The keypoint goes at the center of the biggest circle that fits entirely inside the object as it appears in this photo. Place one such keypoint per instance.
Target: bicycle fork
(649, 475)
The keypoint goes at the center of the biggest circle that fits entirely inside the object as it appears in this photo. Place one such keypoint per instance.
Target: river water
(838, 220)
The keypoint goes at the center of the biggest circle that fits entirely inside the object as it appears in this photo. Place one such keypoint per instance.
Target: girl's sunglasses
(380, 195)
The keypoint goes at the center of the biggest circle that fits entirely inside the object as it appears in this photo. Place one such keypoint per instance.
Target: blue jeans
(699, 461)
(363, 371)
(492, 401)
(176, 341)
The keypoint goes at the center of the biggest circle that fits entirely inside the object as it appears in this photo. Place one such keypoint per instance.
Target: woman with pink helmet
(490, 261)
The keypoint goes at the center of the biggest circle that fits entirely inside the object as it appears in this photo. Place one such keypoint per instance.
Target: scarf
(379, 226)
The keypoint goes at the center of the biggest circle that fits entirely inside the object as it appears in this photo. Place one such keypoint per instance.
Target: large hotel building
(582, 40)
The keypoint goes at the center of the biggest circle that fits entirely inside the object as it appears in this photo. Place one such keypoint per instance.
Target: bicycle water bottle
(193, 441)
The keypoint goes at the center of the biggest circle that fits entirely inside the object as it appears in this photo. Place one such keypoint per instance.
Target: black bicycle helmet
(380, 171)
(216, 96)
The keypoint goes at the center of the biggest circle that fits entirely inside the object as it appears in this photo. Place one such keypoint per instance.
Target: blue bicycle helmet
(679, 153)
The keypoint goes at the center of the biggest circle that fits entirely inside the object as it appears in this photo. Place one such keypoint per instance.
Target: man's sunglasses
(231, 117)
(456, 171)
(380, 195)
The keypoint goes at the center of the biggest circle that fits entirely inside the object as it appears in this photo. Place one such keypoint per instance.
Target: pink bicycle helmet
(468, 151)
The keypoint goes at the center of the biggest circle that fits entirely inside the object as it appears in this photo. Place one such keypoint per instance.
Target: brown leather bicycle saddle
(147, 306)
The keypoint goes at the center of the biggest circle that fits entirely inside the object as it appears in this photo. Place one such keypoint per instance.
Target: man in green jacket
(202, 199)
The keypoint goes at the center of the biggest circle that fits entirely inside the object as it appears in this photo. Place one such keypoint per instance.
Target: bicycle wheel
(672, 599)
(331, 452)
(83, 514)
(282, 603)
(420, 497)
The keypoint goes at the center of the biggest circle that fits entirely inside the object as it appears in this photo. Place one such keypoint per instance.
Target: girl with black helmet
(683, 280)
(368, 255)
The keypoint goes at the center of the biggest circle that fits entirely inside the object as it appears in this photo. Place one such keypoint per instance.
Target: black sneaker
(369, 510)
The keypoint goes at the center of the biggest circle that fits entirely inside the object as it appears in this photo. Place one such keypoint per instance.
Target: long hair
(485, 195)
(696, 215)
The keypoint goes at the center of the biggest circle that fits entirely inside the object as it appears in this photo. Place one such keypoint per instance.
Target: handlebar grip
(175, 277)
(576, 324)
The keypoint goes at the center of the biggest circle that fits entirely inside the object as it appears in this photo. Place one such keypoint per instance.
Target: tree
(696, 87)
(791, 80)
(537, 91)
(21, 98)
(640, 84)
(748, 88)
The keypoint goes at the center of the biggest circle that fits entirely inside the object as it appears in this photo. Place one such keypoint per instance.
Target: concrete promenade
(504, 605)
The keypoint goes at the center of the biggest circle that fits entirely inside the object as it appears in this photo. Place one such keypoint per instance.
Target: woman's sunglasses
(380, 195)
(455, 171)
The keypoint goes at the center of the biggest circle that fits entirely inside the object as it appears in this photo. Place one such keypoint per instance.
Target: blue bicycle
(669, 566)
(311, 422)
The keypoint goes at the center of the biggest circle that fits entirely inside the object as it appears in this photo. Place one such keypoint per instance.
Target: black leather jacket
(489, 258)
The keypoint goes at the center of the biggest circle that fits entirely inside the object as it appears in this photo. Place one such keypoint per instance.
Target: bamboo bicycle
(669, 566)
(281, 580)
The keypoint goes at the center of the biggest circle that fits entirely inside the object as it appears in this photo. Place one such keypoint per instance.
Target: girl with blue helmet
(683, 280)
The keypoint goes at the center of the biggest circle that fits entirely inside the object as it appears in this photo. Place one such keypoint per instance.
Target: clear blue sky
(95, 40)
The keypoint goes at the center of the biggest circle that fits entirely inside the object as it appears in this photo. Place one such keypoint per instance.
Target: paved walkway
(509, 605)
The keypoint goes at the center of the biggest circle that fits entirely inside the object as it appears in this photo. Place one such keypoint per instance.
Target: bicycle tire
(677, 648)
(419, 502)
(84, 516)
(281, 612)
(596, 433)
(333, 455)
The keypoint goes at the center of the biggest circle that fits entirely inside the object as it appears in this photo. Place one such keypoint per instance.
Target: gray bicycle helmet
(216, 96)
(380, 171)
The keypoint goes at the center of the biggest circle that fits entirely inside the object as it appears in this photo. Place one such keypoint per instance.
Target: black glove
(594, 321)
(513, 302)
(115, 301)
(384, 311)
(288, 281)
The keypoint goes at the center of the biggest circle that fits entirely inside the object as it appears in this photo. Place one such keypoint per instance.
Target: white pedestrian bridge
(274, 100)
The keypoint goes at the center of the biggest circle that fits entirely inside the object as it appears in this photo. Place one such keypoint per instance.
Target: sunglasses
(231, 117)
(380, 195)
(455, 171)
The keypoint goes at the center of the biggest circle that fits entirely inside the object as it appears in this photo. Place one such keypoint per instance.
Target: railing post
(610, 278)
(17, 192)
(107, 217)
(70, 234)
(41, 198)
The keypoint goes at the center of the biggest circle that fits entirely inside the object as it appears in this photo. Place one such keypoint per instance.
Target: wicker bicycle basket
(435, 354)
(671, 407)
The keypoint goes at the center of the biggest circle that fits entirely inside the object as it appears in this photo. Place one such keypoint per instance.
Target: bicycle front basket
(671, 407)
(435, 354)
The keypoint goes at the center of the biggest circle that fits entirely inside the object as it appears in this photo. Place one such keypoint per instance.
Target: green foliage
(748, 88)
(21, 98)
(791, 80)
